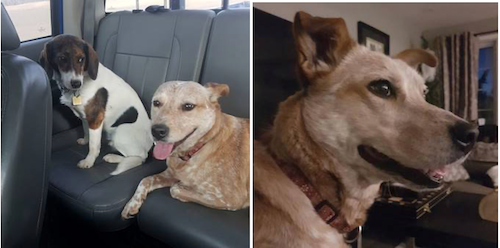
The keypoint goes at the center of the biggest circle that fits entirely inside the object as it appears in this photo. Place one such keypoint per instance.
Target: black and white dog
(101, 99)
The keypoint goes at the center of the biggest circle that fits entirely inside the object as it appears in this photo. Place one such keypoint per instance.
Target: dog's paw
(113, 158)
(130, 210)
(175, 192)
(85, 164)
(82, 141)
(115, 172)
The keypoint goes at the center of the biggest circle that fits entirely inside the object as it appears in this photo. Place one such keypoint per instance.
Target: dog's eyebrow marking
(96, 108)
(129, 116)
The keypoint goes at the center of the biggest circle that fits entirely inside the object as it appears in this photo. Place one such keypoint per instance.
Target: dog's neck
(337, 183)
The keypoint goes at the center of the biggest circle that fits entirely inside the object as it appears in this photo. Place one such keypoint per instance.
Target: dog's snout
(159, 131)
(76, 83)
(464, 135)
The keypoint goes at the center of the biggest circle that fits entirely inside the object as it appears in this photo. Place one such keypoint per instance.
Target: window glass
(486, 94)
(237, 4)
(31, 18)
(119, 5)
(203, 4)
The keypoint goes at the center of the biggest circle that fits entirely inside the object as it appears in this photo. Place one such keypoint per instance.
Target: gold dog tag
(77, 100)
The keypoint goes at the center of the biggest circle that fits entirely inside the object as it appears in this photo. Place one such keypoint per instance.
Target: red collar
(322, 206)
(191, 152)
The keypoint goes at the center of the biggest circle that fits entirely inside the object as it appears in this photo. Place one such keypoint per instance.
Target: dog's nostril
(464, 135)
(76, 83)
(159, 131)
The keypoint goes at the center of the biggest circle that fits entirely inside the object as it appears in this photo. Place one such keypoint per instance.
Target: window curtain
(458, 56)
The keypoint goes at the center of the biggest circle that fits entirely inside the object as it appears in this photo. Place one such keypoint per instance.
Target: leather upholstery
(173, 50)
(93, 196)
(26, 116)
(10, 39)
(180, 224)
(228, 59)
(146, 50)
(172, 46)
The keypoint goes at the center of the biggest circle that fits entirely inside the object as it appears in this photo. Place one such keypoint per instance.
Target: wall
(402, 34)
(474, 27)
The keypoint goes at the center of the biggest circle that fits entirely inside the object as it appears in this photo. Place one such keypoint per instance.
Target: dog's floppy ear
(321, 44)
(46, 58)
(415, 57)
(92, 61)
(217, 90)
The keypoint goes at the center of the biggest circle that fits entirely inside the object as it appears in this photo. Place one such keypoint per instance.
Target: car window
(31, 18)
(203, 4)
(216, 4)
(238, 4)
(119, 5)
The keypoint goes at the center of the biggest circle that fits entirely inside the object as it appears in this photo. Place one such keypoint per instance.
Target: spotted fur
(218, 175)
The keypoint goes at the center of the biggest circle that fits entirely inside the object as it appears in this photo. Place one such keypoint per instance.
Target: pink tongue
(439, 172)
(162, 150)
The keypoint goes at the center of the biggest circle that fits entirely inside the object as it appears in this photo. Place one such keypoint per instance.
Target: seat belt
(88, 21)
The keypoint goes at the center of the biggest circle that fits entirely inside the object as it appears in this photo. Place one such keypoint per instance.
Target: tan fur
(320, 128)
(218, 175)
(415, 57)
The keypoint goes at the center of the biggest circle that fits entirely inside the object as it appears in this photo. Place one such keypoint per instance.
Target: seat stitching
(65, 195)
(106, 46)
(172, 48)
(140, 55)
(204, 62)
(75, 151)
(117, 39)
(128, 69)
(180, 58)
(202, 51)
(144, 77)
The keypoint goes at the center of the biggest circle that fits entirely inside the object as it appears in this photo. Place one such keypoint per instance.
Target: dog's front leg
(85, 139)
(94, 147)
(211, 200)
(147, 185)
(85, 125)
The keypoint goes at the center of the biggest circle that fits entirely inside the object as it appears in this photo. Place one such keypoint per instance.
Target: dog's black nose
(76, 83)
(464, 135)
(159, 131)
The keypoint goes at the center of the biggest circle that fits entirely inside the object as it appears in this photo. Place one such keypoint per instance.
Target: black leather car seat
(26, 116)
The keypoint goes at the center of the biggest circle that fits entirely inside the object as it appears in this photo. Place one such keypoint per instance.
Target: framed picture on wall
(373, 38)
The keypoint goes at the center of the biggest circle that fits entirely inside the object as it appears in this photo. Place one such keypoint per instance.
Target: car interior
(47, 201)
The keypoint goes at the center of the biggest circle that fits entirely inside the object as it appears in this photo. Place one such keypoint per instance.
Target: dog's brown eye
(188, 107)
(156, 103)
(80, 60)
(381, 88)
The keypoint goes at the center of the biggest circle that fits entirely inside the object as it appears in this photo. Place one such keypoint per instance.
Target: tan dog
(360, 119)
(207, 151)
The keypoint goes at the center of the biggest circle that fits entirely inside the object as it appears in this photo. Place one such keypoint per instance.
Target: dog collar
(191, 152)
(322, 206)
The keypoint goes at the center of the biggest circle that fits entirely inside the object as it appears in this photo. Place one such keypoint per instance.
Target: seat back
(26, 116)
(148, 49)
(228, 59)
